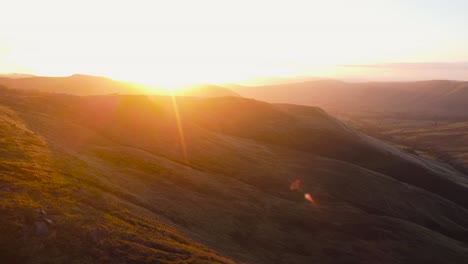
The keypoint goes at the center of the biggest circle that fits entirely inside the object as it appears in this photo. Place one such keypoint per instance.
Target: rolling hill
(156, 179)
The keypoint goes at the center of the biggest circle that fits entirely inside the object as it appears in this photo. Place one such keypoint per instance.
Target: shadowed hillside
(121, 179)
(426, 118)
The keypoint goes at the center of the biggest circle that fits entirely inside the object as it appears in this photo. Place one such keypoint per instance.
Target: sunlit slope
(226, 184)
(52, 210)
(421, 99)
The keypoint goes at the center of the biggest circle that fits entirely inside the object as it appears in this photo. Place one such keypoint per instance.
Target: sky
(181, 42)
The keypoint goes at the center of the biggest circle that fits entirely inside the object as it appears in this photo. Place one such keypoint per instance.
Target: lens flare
(179, 127)
(309, 198)
(295, 185)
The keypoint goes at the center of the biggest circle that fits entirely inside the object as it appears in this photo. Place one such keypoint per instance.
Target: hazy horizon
(387, 72)
(177, 43)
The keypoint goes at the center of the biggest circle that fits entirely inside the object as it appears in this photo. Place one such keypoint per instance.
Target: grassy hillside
(120, 179)
(54, 211)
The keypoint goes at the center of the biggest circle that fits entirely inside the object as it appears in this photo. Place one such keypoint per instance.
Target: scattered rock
(41, 228)
(47, 221)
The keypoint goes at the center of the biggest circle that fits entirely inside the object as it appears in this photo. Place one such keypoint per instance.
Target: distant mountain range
(16, 75)
(422, 99)
(80, 84)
